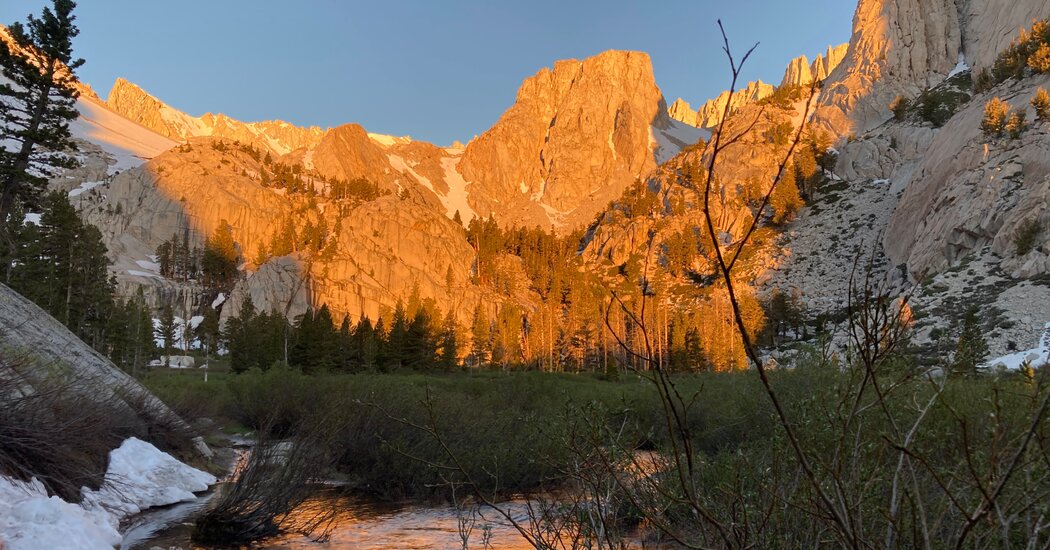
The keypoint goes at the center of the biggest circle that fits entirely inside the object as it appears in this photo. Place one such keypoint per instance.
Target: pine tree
(971, 348)
(397, 342)
(208, 331)
(62, 266)
(240, 338)
(366, 339)
(994, 121)
(481, 336)
(448, 345)
(220, 258)
(166, 329)
(420, 347)
(38, 103)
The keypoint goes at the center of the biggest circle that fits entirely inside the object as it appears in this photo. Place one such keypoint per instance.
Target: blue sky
(436, 70)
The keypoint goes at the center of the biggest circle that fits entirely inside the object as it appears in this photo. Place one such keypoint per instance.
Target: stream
(361, 524)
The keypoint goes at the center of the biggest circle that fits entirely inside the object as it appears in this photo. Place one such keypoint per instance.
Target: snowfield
(139, 476)
(125, 142)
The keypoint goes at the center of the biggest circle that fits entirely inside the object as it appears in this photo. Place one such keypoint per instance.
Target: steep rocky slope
(133, 102)
(25, 328)
(799, 72)
(576, 136)
(710, 113)
(940, 205)
(901, 47)
(382, 248)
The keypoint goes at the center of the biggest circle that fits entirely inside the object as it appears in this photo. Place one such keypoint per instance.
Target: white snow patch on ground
(457, 191)
(139, 476)
(184, 338)
(138, 273)
(219, 300)
(29, 519)
(960, 67)
(127, 143)
(33, 218)
(86, 186)
(142, 476)
(150, 265)
(1037, 356)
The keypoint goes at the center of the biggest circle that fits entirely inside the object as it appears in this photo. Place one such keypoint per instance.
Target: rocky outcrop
(276, 136)
(800, 72)
(383, 248)
(278, 285)
(25, 328)
(576, 135)
(681, 111)
(901, 47)
(970, 191)
(710, 113)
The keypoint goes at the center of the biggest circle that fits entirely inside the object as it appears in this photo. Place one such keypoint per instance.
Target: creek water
(360, 524)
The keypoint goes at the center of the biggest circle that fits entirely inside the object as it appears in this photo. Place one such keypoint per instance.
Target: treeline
(61, 265)
(417, 337)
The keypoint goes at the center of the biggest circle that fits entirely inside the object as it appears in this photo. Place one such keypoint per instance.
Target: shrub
(995, 113)
(1040, 60)
(1041, 103)
(1025, 237)
(53, 427)
(899, 106)
(983, 81)
(1015, 123)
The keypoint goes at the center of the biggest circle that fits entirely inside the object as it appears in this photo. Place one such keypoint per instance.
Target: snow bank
(86, 186)
(1037, 356)
(29, 520)
(139, 476)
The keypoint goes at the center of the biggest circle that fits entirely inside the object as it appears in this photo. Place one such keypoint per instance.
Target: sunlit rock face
(576, 136)
(383, 248)
(275, 136)
(800, 72)
(900, 47)
(711, 112)
(969, 191)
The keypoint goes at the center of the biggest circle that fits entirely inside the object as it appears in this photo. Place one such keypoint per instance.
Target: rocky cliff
(25, 328)
(710, 113)
(575, 137)
(901, 47)
(139, 106)
(382, 248)
(799, 72)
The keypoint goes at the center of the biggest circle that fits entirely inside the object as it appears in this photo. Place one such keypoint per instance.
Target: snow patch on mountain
(125, 142)
(669, 141)
(456, 199)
